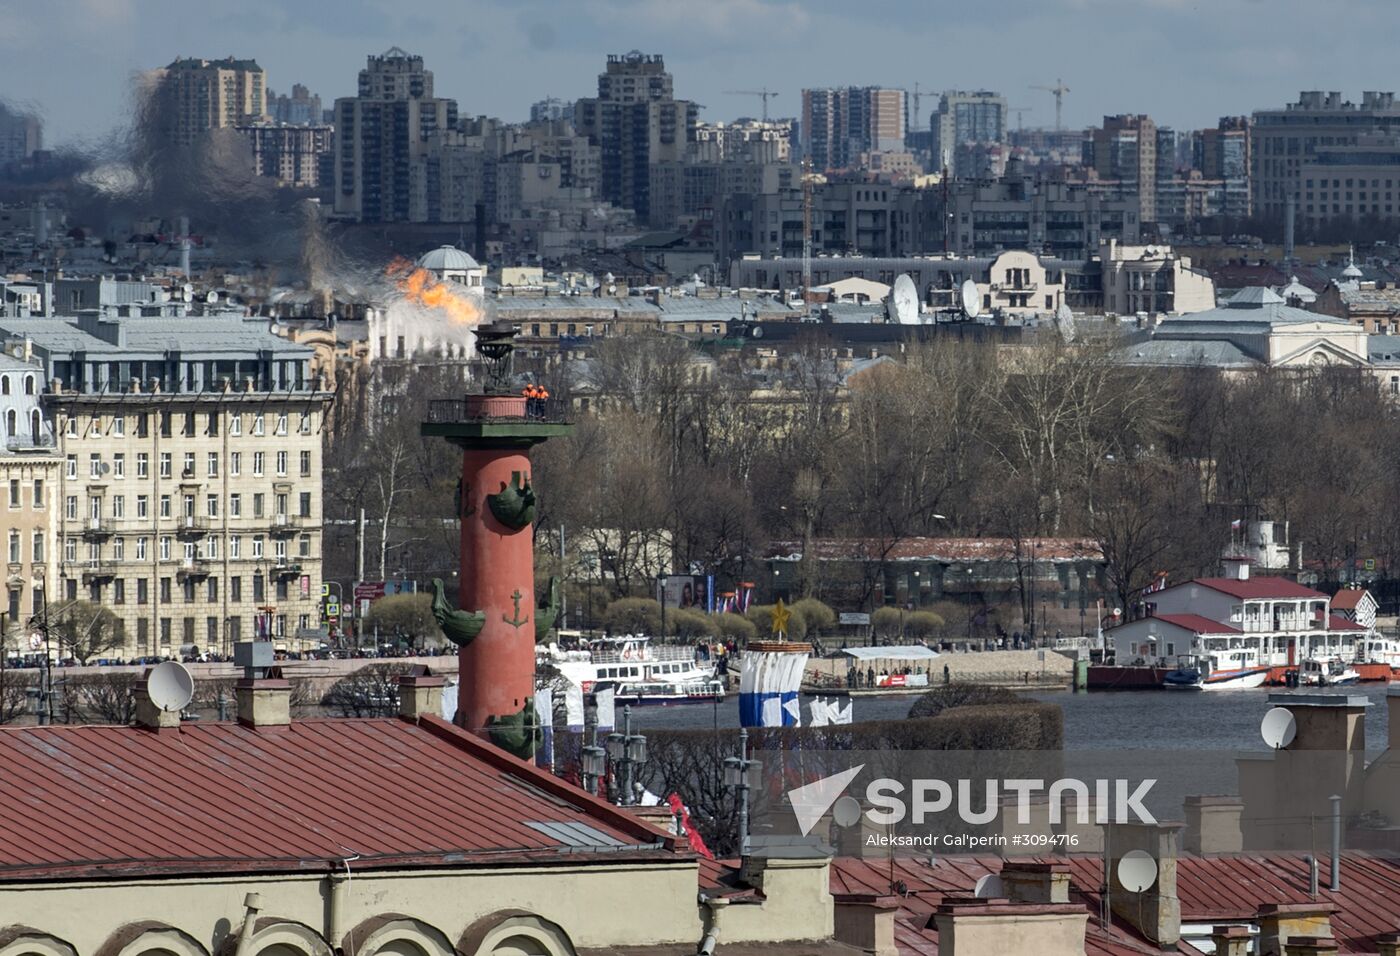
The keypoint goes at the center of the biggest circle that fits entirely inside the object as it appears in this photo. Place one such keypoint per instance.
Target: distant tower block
(497, 617)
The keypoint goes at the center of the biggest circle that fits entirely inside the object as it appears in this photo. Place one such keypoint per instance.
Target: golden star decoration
(780, 618)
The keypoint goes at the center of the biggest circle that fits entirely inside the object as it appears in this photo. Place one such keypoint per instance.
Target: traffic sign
(332, 609)
(325, 590)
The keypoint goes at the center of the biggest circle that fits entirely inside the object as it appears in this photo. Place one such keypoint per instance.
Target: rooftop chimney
(866, 922)
(420, 692)
(1230, 940)
(1237, 568)
(1156, 911)
(148, 713)
(262, 700)
(1308, 945)
(1213, 825)
(1284, 925)
(973, 927)
(1388, 944)
(1030, 881)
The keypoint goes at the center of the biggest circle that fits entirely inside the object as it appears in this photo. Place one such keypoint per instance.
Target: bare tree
(84, 630)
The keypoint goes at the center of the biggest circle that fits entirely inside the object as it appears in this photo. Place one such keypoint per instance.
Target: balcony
(190, 526)
(192, 568)
(285, 568)
(286, 525)
(98, 571)
(99, 529)
(512, 419)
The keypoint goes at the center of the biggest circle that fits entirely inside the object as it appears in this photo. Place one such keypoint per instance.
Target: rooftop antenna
(904, 301)
(764, 94)
(971, 299)
(1278, 728)
(1137, 871)
(1058, 91)
(170, 686)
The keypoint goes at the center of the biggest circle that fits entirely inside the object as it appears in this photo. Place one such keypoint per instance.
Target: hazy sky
(1185, 62)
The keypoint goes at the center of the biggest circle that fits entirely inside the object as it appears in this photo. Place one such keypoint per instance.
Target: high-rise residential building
(1283, 141)
(963, 118)
(1125, 150)
(840, 124)
(302, 108)
(1222, 154)
(636, 122)
(382, 136)
(188, 494)
(20, 135)
(293, 155)
(551, 109)
(193, 96)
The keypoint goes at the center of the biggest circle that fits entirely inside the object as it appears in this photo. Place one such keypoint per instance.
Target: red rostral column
(494, 623)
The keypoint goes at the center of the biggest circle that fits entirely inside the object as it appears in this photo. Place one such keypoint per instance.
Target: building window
(304, 502)
(119, 465)
(211, 505)
(38, 493)
(71, 466)
(37, 548)
(235, 463)
(304, 546)
(70, 550)
(213, 464)
(119, 506)
(306, 464)
(235, 424)
(282, 424)
(257, 426)
(258, 462)
(165, 506)
(165, 464)
(14, 492)
(94, 466)
(143, 465)
(235, 546)
(257, 546)
(165, 632)
(70, 507)
(141, 549)
(165, 547)
(281, 463)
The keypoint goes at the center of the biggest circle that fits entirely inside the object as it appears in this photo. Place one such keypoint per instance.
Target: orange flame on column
(420, 286)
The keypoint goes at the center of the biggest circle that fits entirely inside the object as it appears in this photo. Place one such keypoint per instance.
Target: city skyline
(1227, 59)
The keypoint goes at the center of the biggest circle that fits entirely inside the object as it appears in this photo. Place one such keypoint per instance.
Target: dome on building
(447, 259)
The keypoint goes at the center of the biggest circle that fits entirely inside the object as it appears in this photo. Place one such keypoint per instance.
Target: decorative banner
(544, 714)
(607, 710)
(573, 708)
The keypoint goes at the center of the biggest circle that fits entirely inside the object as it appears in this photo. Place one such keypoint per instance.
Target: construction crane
(918, 116)
(807, 179)
(1058, 90)
(764, 94)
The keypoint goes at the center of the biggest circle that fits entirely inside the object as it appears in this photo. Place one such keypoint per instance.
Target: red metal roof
(927, 883)
(88, 801)
(1335, 623)
(1217, 888)
(1265, 587)
(1347, 599)
(1195, 623)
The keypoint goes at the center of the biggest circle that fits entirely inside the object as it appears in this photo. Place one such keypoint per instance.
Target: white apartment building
(28, 479)
(188, 499)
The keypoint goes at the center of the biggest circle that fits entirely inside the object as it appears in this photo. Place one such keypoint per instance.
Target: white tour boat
(638, 672)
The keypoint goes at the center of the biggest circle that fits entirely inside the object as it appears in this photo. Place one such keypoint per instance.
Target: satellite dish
(1278, 728)
(989, 888)
(170, 686)
(846, 811)
(104, 468)
(971, 299)
(904, 301)
(212, 297)
(188, 288)
(1137, 871)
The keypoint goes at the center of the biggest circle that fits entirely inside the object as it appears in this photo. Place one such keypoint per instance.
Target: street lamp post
(736, 778)
(661, 591)
(626, 750)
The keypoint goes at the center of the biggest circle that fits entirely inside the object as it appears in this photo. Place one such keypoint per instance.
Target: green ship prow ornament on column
(461, 627)
(514, 505)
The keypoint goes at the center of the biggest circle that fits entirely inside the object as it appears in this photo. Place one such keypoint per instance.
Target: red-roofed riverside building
(1238, 622)
(406, 836)
(1356, 605)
